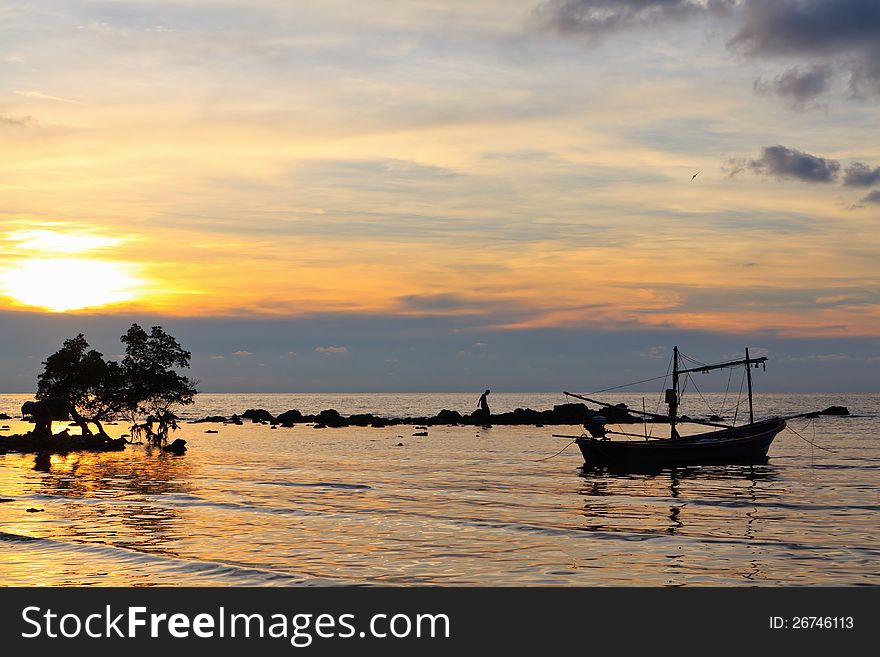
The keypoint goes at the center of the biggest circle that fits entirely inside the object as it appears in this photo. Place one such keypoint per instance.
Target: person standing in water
(483, 405)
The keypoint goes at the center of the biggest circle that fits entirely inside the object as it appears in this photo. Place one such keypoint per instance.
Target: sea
(251, 505)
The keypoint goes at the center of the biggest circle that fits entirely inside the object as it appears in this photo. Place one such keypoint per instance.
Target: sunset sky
(416, 194)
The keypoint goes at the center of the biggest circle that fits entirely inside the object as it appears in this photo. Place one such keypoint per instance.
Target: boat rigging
(747, 443)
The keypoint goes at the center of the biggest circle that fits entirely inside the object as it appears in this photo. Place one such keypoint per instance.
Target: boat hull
(743, 445)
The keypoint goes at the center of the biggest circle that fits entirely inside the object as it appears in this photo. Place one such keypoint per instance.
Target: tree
(145, 383)
(152, 386)
(82, 379)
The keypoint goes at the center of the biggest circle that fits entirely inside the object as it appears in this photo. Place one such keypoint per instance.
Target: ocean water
(252, 505)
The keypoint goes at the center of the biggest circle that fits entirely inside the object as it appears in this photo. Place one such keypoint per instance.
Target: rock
(320, 425)
(235, 420)
(212, 431)
(361, 419)
(835, 410)
(399, 445)
(6, 499)
(289, 417)
(570, 413)
(448, 417)
(210, 418)
(4, 416)
(178, 447)
(32, 510)
(45, 446)
(520, 416)
(715, 418)
(258, 415)
(421, 434)
(331, 418)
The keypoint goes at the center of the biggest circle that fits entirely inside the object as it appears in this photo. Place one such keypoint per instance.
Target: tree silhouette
(83, 379)
(152, 386)
(144, 383)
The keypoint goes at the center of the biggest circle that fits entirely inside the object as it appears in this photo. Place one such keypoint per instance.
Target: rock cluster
(559, 414)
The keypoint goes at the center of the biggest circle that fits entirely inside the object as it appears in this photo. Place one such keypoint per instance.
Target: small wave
(317, 484)
(631, 535)
(174, 501)
(172, 568)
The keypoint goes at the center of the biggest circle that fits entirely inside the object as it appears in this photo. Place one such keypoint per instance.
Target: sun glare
(60, 284)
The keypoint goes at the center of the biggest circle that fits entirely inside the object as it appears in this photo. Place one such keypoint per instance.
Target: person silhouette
(483, 406)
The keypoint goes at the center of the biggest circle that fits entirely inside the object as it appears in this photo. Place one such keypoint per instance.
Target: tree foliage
(144, 384)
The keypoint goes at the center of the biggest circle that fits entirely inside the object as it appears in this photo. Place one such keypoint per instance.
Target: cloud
(873, 197)
(797, 86)
(331, 350)
(20, 121)
(242, 353)
(654, 353)
(434, 302)
(788, 163)
(217, 357)
(42, 96)
(595, 19)
(829, 35)
(859, 174)
(814, 27)
(830, 358)
(828, 30)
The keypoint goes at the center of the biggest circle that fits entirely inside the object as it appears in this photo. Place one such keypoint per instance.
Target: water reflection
(135, 519)
(697, 499)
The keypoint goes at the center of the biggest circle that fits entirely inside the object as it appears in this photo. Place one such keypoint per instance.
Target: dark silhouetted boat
(744, 444)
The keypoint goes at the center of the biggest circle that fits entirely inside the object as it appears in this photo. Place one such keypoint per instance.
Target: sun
(61, 284)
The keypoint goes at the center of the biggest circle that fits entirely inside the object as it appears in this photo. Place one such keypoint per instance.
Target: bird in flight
(694, 176)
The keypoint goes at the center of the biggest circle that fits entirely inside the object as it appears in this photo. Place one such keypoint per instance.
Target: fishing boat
(727, 443)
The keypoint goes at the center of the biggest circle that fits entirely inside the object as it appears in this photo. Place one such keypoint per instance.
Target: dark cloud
(789, 163)
(844, 30)
(829, 35)
(798, 86)
(873, 197)
(859, 174)
(596, 18)
(807, 27)
(426, 347)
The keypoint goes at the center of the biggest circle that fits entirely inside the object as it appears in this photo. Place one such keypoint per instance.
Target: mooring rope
(808, 441)
(547, 458)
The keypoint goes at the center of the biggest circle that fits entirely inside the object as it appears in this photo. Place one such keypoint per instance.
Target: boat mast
(672, 395)
(749, 377)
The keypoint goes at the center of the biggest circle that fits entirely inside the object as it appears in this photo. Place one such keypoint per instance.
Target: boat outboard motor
(596, 426)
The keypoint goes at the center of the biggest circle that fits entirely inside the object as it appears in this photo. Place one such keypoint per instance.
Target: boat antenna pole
(672, 395)
(749, 377)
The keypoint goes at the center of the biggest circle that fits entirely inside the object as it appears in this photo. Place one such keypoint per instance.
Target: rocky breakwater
(559, 414)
